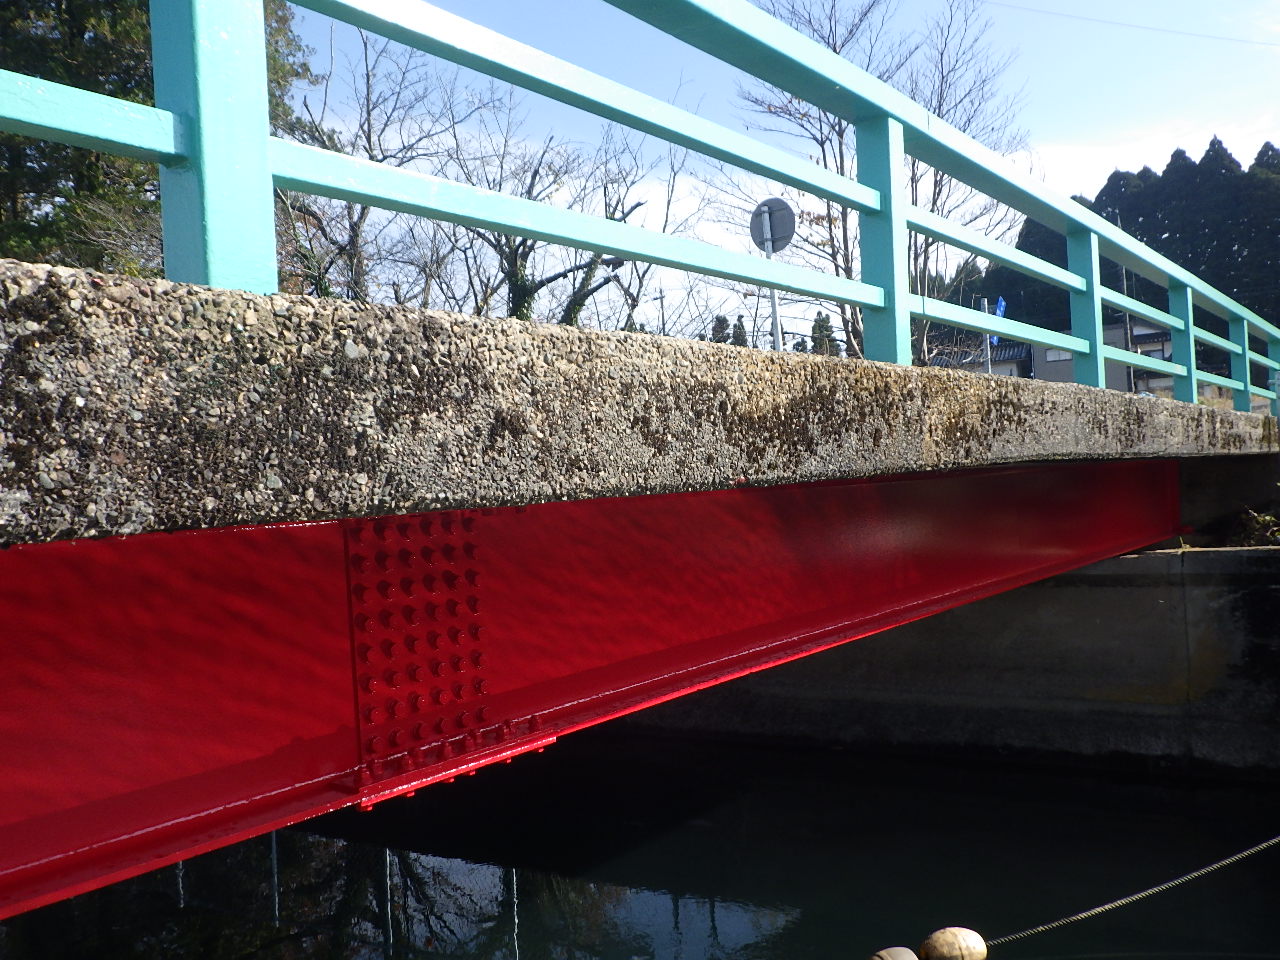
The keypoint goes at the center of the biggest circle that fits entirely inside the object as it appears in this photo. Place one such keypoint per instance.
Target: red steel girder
(165, 694)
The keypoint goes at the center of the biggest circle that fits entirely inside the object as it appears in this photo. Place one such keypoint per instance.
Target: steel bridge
(182, 684)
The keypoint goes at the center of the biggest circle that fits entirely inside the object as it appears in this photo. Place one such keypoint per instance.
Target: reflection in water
(609, 847)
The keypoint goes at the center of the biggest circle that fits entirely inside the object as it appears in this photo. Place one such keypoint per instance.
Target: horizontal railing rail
(209, 133)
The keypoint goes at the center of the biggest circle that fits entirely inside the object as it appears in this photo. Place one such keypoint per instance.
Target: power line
(1132, 26)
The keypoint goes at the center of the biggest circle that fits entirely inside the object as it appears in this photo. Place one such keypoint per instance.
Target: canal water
(616, 846)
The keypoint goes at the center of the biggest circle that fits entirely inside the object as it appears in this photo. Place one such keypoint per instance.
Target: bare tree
(390, 105)
(948, 67)
(859, 32)
(495, 155)
(955, 75)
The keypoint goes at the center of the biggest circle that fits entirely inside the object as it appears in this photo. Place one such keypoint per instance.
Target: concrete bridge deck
(143, 405)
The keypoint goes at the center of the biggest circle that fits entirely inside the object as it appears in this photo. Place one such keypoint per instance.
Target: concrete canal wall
(1172, 655)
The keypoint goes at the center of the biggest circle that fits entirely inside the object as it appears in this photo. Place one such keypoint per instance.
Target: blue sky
(1095, 96)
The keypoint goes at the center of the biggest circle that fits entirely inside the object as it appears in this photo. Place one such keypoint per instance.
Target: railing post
(218, 210)
(1273, 381)
(1086, 307)
(882, 242)
(1238, 333)
(1186, 389)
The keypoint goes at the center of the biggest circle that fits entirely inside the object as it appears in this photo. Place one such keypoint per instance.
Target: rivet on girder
(370, 684)
(393, 678)
(375, 745)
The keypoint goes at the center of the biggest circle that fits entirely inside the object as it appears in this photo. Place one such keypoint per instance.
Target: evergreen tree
(1029, 299)
(97, 46)
(739, 337)
(1267, 161)
(78, 207)
(823, 336)
(720, 329)
(801, 345)
(1212, 217)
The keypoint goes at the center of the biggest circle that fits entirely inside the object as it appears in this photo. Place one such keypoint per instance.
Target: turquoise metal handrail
(218, 167)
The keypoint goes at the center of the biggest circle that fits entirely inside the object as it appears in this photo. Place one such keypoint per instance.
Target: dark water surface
(609, 846)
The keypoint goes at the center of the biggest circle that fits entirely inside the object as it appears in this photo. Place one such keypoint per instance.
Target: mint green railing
(209, 133)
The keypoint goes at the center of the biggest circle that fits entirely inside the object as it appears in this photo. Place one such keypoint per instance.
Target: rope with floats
(960, 943)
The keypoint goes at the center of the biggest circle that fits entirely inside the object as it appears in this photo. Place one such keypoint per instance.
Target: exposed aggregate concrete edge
(131, 405)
